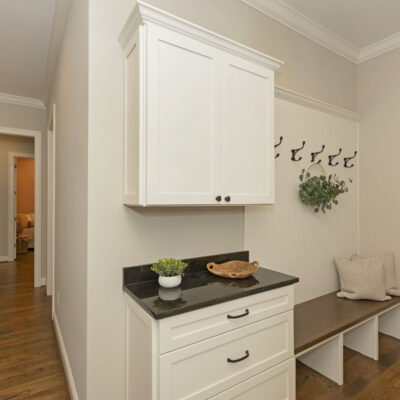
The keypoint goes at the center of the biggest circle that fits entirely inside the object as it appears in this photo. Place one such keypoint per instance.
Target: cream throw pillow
(387, 261)
(361, 279)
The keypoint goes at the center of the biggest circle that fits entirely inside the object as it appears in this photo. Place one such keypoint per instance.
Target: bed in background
(26, 227)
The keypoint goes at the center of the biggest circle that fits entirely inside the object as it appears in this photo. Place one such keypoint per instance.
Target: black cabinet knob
(228, 199)
(218, 198)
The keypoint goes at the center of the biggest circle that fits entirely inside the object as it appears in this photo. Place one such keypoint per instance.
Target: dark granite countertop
(199, 287)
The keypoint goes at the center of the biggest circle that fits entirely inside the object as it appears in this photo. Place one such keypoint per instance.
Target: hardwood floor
(365, 379)
(30, 364)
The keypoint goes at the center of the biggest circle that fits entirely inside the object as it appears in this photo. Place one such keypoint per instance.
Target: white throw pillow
(387, 260)
(361, 279)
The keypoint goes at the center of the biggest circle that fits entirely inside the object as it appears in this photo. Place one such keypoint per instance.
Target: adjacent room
(197, 200)
(18, 190)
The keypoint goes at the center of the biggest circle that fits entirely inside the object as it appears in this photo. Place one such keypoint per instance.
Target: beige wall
(289, 236)
(70, 94)
(26, 185)
(378, 99)
(8, 144)
(119, 236)
(309, 68)
(89, 145)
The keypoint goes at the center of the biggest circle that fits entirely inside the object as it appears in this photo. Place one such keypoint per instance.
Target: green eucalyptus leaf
(321, 192)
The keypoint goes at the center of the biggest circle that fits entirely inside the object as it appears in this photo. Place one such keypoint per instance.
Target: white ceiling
(25, 28)
(360, 22)
(357, 30)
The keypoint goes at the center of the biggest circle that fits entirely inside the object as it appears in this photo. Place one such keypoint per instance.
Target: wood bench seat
(323, 317)
(322, 326)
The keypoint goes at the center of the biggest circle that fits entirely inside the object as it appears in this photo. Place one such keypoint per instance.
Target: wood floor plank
(30, 363)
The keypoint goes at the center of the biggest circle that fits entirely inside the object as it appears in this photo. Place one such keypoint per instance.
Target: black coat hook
(295, 151)
(331, 158)
(347, 159)
(314, 155)
(278, 144)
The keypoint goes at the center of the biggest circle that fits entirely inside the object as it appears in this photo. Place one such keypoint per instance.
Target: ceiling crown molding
(316, 104)
(307, 27)
(144, 13)
(57, 30)
(376, 49)
(21, 101)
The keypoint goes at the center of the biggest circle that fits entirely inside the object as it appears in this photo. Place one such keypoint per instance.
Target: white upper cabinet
(199, 115)
(248, 127)
(183, 119)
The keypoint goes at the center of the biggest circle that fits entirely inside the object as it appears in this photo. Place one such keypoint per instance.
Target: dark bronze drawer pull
(238, 316)
(239, 359)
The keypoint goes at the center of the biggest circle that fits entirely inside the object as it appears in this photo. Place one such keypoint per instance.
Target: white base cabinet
(248, 358)
(278, 383)
(199, 115)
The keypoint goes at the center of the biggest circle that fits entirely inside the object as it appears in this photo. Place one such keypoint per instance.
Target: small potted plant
(170, 272)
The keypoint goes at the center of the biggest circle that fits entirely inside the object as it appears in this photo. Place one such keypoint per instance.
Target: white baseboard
(43, 281)
(64, 356)
(3, 258)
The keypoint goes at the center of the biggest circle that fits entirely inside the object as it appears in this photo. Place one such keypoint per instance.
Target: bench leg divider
(389, 323)
(364, 338)
(327, 359)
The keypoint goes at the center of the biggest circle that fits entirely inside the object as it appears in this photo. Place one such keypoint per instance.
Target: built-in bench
(322, 326)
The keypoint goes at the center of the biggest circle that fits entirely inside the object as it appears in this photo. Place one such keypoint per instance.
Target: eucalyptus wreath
(321, 192)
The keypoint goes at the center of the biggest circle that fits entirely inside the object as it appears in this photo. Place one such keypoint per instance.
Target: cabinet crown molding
(144, 13)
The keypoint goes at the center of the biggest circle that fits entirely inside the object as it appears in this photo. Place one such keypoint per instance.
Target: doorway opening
(23, 229)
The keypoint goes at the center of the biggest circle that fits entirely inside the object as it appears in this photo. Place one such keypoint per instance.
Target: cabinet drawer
(185, 329)
(277, 383)
(204, 369)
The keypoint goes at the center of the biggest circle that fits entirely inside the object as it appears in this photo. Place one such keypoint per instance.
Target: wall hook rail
(278, 144)
(295, 151)
(347, 159)
(314, 154)
(332, 157)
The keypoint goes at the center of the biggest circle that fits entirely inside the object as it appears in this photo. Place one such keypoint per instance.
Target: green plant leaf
(321, 192)
(169, 267)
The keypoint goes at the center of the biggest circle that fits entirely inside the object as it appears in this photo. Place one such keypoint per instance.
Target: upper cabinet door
(183, 120)
(248, 115)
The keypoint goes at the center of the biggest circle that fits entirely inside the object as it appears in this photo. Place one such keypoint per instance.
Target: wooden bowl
(234, 269)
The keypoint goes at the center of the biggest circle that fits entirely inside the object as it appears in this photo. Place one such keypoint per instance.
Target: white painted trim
(4, 259)
(44, 281)
(358, 192)
(376, 49)
(37, 135)
(21, 101)
(311, 102)
(144, 13)
(305, 26)
(59, 20)
(51, 147)
(64, 356)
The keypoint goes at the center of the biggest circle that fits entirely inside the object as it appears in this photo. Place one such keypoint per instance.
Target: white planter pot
(169, 294)
(169, 281)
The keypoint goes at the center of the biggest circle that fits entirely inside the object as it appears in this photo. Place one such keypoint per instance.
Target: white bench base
(364, 339)
(327, 357)
(389, 322)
